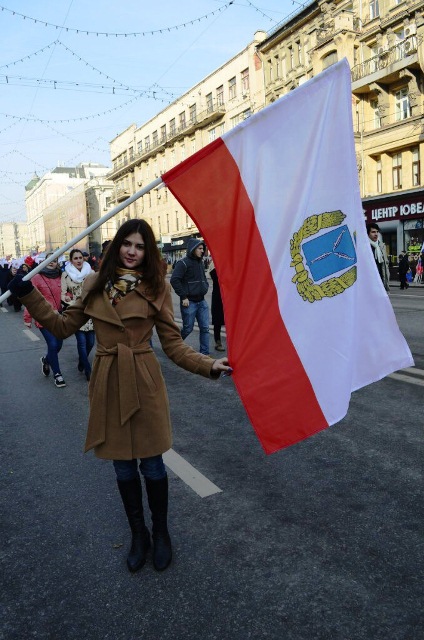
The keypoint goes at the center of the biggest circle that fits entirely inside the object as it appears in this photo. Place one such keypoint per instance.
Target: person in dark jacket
(216, 308)
(403, 269)
(189, 282)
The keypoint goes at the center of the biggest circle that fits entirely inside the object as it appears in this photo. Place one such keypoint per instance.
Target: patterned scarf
(126, 281)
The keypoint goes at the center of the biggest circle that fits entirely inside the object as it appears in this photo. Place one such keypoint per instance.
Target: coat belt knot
(129, 402)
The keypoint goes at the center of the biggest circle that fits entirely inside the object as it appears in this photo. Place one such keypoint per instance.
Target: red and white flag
(307, 318)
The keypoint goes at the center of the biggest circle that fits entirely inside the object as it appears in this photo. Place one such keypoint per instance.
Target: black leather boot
(157, 494)
(132, 498)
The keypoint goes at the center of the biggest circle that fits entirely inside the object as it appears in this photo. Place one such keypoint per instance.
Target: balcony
(200, 120)
(386, 64)
(122, 194)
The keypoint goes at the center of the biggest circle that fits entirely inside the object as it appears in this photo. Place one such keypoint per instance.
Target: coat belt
(129, 402)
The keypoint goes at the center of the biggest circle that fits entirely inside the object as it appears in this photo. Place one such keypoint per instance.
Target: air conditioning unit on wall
(410, 30)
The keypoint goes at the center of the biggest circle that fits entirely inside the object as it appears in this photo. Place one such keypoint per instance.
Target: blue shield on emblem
(330, 253)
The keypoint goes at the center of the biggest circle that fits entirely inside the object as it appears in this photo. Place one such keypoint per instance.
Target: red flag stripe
(267, 370)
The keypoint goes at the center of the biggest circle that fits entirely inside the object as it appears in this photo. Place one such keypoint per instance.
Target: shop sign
(399, 209)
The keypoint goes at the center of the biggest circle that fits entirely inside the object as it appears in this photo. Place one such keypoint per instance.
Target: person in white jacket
(76, 271)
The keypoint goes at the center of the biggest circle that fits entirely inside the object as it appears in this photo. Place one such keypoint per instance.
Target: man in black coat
(189, 282)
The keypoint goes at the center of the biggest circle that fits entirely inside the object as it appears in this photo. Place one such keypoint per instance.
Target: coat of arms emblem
(325, 263)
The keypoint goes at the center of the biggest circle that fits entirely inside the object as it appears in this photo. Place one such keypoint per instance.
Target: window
(379, 176)
(209, 103)
(374, 9)
(155, 138)
(182, 118)
(397, 170)
(402, 106)
(172, 127)
(193, 145)
(376, 114)
(245, 81)
(234, 121)
(232, 88)
(147, 143)
(291, 58)
(212, 134)
(220, 95)
(163, 133)
(131, 153)
(192, 114)
(139, 147)
(277, 67)
(329, 59)
(299, 52)
(183, 152)
(270, 71)
(416, 167)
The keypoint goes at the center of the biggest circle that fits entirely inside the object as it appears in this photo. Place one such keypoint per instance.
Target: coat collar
(100, 307)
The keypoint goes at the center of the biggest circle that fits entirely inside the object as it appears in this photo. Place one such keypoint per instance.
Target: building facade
(383, 43)
(142, 153)
(14, 240)
(64, 202)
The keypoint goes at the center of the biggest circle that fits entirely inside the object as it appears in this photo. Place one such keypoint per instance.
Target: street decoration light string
(81, 118)
(107, 34)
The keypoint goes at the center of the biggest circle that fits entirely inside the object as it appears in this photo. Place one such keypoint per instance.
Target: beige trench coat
(129, 409)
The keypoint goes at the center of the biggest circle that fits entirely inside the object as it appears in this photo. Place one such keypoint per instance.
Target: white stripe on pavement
(402, 378)
(188, 474)
(414, 371)
(4, 309)
(30, 334)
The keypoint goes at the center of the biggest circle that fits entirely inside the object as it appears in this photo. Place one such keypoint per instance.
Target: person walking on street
(48, 283)
(76, 271)
(378, 249)
(216, 308)
(189, 282)
(129, 419)
(403, 269)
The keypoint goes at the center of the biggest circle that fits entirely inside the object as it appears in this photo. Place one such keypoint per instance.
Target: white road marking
(401, 378)
(4, 309)
(188, 474)
(30, 334)
(414, 371)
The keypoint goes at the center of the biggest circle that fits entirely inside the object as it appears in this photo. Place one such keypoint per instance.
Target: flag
(307, 318)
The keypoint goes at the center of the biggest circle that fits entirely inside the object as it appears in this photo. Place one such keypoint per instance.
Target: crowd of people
(410, 266)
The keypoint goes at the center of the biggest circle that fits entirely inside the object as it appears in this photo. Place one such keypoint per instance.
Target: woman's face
(52, 264)
(131, 253)
(77, 260)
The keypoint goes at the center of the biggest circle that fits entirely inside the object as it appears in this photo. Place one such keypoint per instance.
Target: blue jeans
(152, 468)
(85, 342)
(196, 311)
(54, 345)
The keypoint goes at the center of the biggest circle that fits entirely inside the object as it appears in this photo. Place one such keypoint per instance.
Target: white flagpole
(85, 233)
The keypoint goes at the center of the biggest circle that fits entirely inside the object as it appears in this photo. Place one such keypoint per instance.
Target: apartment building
(383, 43)
(139, 154)
(64, 202)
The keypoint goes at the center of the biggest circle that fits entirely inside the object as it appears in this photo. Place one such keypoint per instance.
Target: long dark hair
(152, 268)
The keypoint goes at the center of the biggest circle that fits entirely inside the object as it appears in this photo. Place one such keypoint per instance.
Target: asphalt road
(320, 541)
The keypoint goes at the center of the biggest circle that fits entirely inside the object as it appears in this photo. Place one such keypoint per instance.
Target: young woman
(76, 271)
(129, 414)
(48, 284)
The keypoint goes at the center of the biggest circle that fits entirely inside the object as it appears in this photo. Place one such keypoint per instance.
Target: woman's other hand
(222, 366)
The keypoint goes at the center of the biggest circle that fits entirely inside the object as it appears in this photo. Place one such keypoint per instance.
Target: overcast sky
(52, 70)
